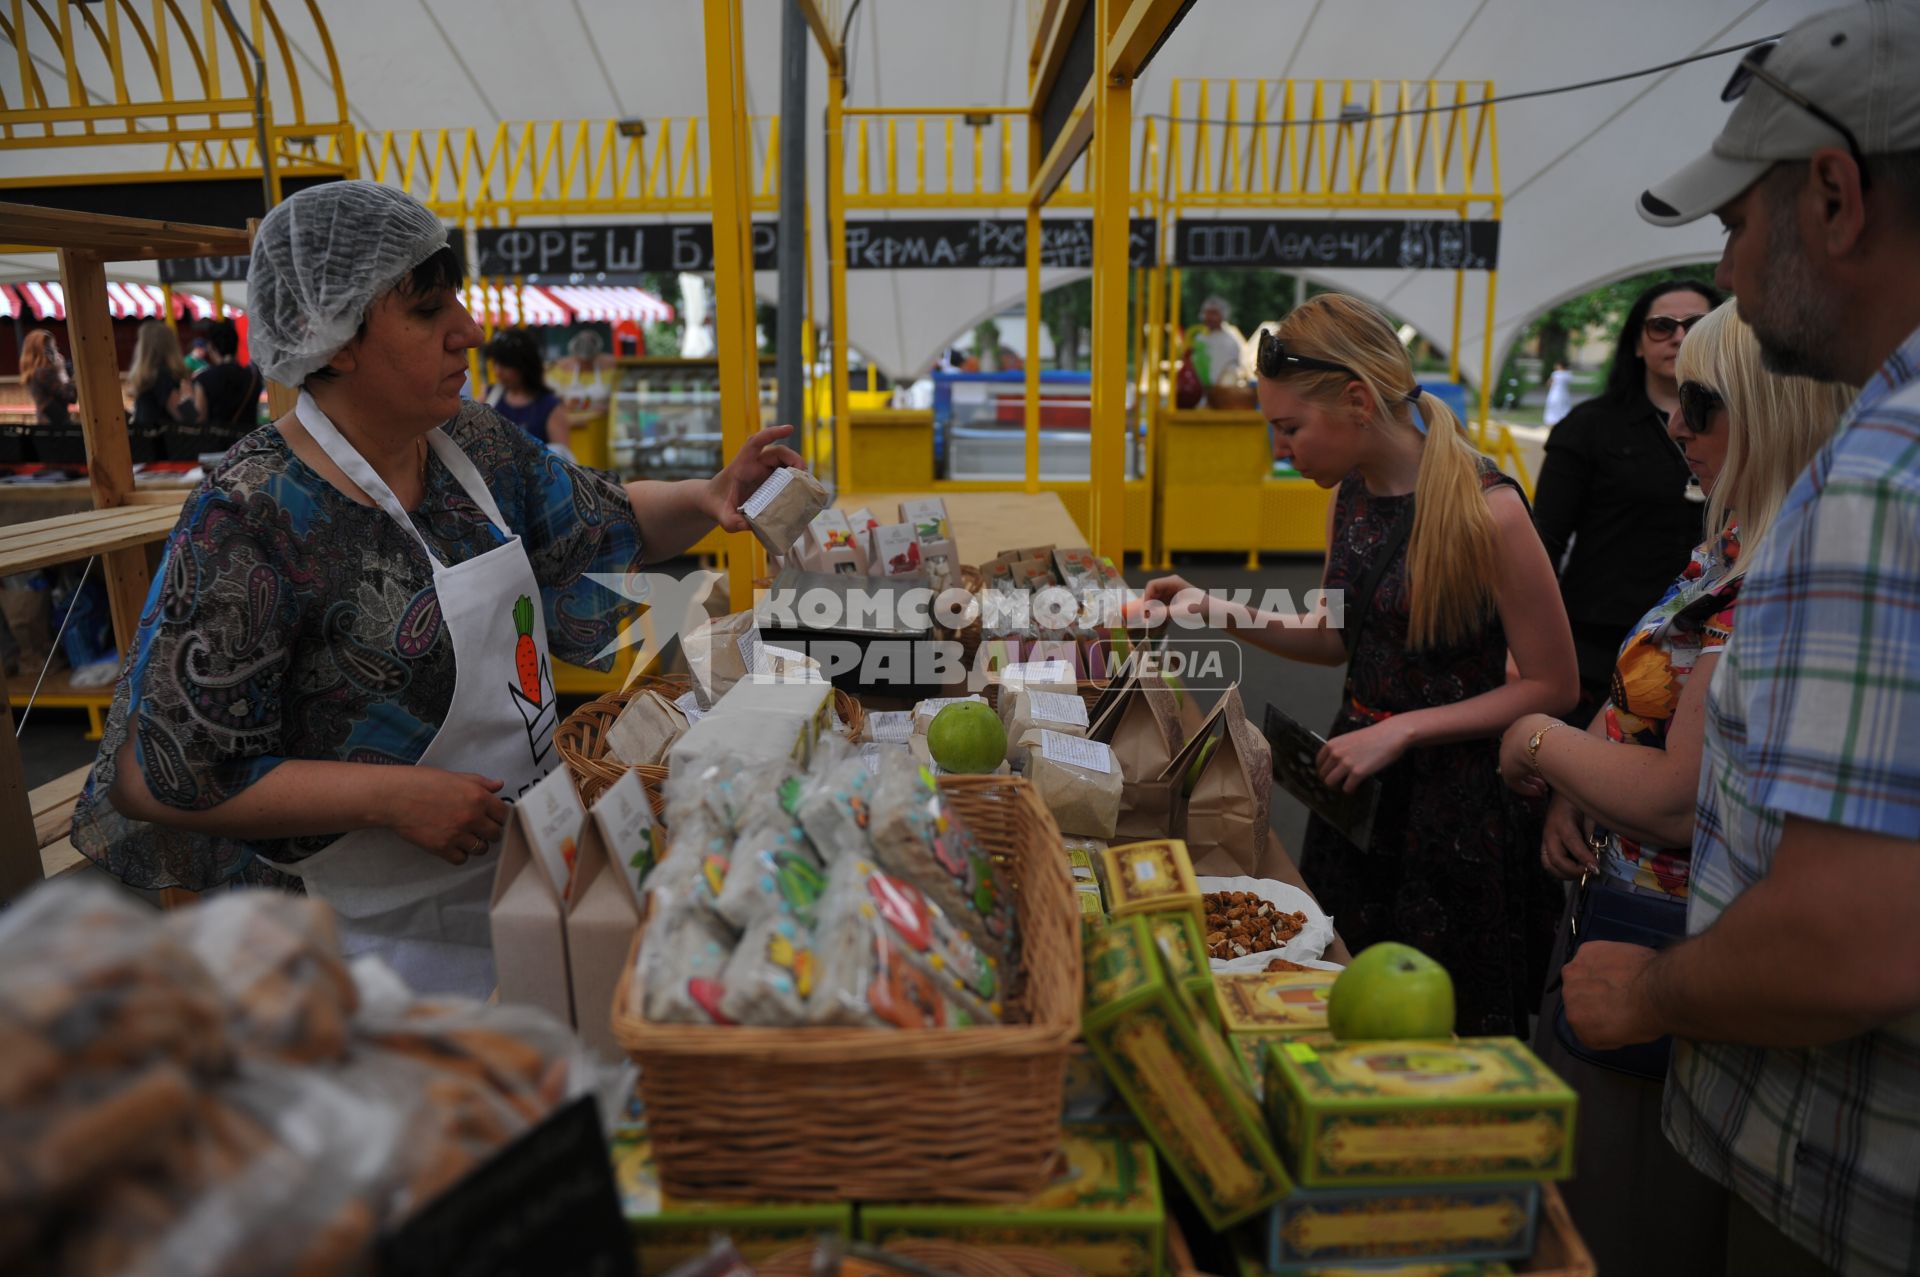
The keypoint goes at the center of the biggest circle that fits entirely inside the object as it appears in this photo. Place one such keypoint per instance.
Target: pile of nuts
(1241, 922)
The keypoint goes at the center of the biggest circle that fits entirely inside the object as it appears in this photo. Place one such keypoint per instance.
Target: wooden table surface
(984, 523)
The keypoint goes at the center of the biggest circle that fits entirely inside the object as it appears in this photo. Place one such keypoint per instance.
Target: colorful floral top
(288, 621)
(1694, 619)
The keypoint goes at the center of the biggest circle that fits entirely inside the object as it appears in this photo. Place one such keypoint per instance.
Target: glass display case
(979, 423)
(666, 417)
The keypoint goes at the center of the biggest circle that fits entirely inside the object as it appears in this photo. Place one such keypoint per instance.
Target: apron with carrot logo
(426, 917)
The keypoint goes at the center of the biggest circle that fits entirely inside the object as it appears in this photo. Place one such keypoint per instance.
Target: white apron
(425, 917)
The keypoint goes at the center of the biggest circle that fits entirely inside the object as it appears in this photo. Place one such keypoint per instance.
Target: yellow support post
(1032, 414)
(1486, 361)
(732, 258)
(837, 276)
(1112, 138)
(1150, 414)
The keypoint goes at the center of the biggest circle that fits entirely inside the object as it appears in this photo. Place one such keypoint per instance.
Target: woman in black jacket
(1616, 506)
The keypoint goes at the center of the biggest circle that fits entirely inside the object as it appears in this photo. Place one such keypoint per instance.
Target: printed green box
(1476, 1109)
(1102, 1214)
(668, 1231)
(1178, 1075)
(1429, 1224)
(1184, 950)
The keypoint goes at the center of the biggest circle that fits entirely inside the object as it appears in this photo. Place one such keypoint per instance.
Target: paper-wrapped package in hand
(780, 509)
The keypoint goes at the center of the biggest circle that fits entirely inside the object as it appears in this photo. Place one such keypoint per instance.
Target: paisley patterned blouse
(288, 621)
(1694, 619)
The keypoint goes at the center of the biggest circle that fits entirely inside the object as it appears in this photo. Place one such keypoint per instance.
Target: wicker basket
(882, 1114)
(582, 738)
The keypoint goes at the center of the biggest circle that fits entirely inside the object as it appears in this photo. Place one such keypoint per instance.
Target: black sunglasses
(1697, 406)
(1273, 360)
(1752, 67)
(1665, 326)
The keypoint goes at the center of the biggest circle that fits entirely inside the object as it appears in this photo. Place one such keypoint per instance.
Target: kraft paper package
(1079, 781)
(1223, 818)
(1142, 725)
(721, 653)
(1062, 712)
(530, 891)
(780, 509)
(896, 551)
(645, 730)
(928, 519)
(616, 854)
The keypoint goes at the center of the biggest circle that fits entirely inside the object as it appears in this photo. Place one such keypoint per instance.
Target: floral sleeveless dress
(1453, 865)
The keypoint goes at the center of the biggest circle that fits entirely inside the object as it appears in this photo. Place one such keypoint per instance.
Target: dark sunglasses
(1752, 67)
(1274, 360)
(1665, 326)
(1698, 403)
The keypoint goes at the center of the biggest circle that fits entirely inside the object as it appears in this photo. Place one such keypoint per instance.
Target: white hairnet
(320, 260)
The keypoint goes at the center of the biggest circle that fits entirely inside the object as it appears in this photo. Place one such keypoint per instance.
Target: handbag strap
(1370, 583)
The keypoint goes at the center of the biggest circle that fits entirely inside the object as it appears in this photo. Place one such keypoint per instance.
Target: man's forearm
(672, 515)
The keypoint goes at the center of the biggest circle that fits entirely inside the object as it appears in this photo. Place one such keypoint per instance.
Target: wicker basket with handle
(883, 1114)
(582, 738)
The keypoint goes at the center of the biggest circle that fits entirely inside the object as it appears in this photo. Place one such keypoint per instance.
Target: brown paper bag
(1139, 719)
(1226, 815)
(616, 851)
(529, 896)
(720, 654)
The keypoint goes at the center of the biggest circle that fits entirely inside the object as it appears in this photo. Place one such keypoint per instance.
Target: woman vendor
(343, 669)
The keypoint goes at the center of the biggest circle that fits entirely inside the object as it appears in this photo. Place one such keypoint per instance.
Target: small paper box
(616, 852)
(1432, 1225)
(928, 515)
(1152, 877)
(1184, 950)
(1101, 1216)
(1277, 1002)
(1178, 1075)
(530, 891)
(1355, 1114)
(832, 545)
(896, 551)
(780, 509)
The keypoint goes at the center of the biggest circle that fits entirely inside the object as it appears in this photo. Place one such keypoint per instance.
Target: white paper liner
(1306, 947)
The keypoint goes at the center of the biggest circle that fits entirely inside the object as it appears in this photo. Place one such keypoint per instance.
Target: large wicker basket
(882, 1114)
(582, 737)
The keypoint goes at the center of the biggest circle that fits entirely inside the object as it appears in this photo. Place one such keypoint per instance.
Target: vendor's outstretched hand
(762, 455)
(453, 815)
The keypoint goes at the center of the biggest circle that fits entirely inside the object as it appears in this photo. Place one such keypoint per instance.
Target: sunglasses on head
(1698, 403)
(1274, 360)
(1753, 67)
(1665, 326)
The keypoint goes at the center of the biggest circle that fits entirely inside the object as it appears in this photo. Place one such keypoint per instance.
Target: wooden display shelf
(58, 692)
(52, 805)
(27, 547)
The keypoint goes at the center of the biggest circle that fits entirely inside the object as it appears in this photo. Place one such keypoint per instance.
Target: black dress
(1453, 866)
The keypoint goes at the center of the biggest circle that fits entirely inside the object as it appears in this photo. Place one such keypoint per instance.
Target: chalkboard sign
(1338, 243)
(979, 243)
(545, 1203)
(203, 270)
(506, 251)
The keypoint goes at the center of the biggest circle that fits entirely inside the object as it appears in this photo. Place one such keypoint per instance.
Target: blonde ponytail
(1452, 554)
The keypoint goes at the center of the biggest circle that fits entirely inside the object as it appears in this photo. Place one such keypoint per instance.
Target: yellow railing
(943, 158)
(1380, 144)
(575, 168)
(182, 85)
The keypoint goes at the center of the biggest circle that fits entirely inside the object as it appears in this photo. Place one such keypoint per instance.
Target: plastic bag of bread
(735, 791)
(276, 959)
(835, 806)
(916, 835)
(887, 955)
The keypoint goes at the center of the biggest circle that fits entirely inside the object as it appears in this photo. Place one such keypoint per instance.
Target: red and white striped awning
(510, 307)
(612, 305)
(48, 301)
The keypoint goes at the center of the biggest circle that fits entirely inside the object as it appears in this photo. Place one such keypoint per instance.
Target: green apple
(1391, 992)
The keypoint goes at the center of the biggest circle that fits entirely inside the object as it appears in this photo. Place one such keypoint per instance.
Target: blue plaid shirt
(1815, 712)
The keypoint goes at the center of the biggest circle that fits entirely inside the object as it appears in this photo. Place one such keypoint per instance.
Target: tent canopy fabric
(1570, 164)
(47, 300)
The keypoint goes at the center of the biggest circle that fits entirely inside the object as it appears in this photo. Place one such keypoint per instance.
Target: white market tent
(1570, 164)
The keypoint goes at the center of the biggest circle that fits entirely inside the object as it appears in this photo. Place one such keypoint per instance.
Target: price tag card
(763, 496)
(1021, 673)
(1076, 752)
(891, 727)
(1058, 707)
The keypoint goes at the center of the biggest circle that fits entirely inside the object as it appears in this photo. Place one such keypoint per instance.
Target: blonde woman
(1622, 812)
(166, 404)
(1442, 574)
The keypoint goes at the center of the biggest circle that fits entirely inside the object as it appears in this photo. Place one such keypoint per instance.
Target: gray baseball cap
(1848, 77)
